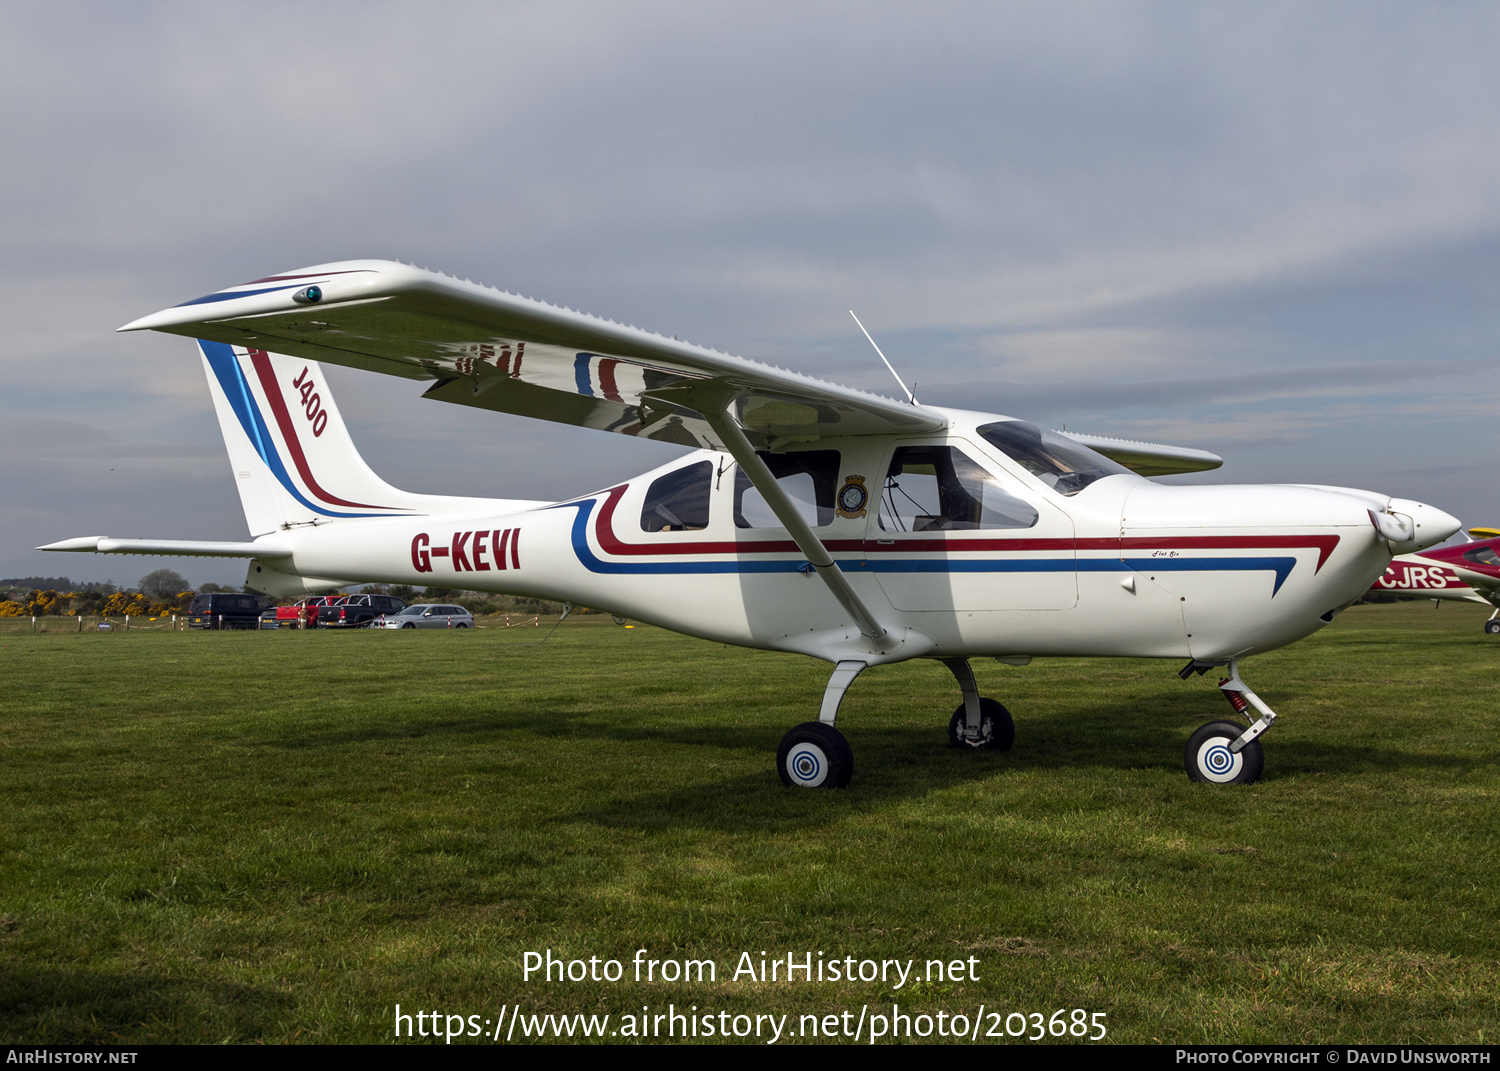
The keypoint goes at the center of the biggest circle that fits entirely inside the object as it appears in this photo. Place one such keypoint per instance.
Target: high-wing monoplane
(807, 517)
(1468, 572)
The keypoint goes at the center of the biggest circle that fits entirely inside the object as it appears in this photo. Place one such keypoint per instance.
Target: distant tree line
(161, 593)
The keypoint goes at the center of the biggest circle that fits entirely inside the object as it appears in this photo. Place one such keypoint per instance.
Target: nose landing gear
(1225, 752)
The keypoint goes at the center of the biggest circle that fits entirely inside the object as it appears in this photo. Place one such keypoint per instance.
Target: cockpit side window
(678, 501)
(1061, 463)
(1482, 556)
(807, 477)
(942, 489)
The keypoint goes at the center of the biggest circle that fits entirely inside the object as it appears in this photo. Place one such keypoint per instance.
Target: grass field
(281, 836)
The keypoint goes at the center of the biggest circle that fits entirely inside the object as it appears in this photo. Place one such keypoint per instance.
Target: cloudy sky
(1269, 230)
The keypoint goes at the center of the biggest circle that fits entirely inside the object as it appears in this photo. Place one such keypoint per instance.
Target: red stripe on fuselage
(1324, 543)
(262, 363)
(610, 543)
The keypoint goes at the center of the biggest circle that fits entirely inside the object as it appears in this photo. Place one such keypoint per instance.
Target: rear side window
(808, 477)
(678, 501)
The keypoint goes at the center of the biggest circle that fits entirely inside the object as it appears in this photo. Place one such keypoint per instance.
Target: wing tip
(78, 543)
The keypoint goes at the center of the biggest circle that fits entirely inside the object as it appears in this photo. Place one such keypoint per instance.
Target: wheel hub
(1217, 762)
(807, 764)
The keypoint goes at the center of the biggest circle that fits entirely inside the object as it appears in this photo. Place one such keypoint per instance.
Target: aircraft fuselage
(1122, 567)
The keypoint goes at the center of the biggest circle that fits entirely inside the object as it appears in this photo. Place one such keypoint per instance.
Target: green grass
(281, 836)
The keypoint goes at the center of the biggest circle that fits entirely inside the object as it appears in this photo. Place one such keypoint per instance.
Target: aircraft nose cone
(1432, 524)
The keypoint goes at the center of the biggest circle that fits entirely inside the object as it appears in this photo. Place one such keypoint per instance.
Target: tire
(814, 755)
(997, 732)
(460, 625)
(1209, 760)
(1492, 628)
(408, 625)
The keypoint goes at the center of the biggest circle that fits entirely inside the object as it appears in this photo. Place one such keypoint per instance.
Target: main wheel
(1209, 759)
(814, 755)
(1492, 628)
(997, 732)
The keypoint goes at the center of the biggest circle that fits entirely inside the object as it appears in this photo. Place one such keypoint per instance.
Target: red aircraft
(1469, 572)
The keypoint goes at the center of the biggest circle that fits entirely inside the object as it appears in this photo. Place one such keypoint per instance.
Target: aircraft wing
(1149, 459)
(496, 350)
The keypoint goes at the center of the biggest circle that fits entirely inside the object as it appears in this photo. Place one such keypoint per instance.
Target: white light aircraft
(809, 517)
(1468, 572)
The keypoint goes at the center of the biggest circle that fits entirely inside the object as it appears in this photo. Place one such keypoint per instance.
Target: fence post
(80, 622)
(127, 622)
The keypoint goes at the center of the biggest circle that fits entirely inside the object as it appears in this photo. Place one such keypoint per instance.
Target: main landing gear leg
(978, 722)
(1224, 752)
(815, 754)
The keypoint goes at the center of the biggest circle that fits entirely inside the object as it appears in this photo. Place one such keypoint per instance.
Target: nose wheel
(1209, 760)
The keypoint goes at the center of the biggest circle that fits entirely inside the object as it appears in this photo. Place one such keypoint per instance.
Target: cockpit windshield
(1061, 463)
(1482, 556)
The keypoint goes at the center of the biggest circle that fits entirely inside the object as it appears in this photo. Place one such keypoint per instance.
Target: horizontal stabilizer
(187, 548)
(1149, 459)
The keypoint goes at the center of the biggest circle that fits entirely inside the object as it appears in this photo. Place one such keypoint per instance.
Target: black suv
(357, 611)
(223, 609)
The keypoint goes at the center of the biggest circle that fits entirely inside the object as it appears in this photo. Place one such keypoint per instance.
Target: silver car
(428, 615)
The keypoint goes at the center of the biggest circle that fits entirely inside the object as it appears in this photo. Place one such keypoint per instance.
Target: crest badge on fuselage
(853, 497)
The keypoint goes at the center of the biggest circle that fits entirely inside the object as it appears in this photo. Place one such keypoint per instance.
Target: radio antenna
(910, 397)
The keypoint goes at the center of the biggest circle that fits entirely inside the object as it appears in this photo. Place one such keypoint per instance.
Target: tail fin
(293, 459)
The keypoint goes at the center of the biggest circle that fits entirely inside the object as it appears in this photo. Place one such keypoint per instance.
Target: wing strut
(722, 421)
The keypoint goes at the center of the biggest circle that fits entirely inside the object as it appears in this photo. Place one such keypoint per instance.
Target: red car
(304, 612)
